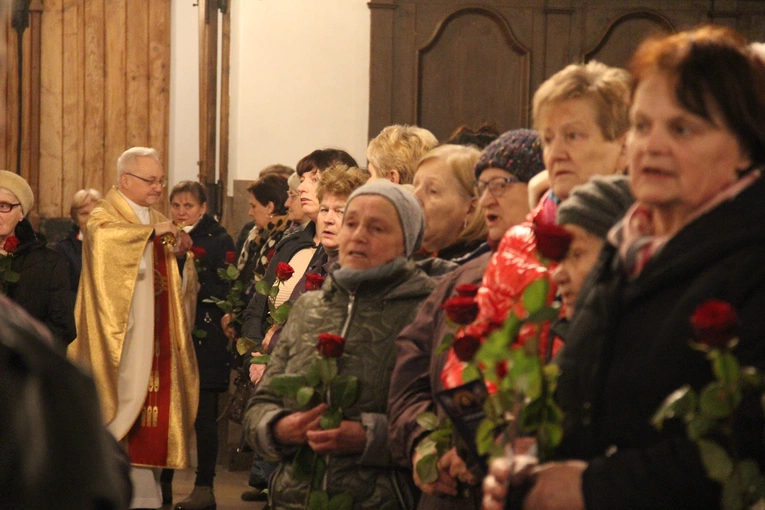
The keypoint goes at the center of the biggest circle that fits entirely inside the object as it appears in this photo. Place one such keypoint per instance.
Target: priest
(132, 332)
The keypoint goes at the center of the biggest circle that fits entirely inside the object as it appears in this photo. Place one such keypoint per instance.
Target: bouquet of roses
(320, 383)
(8, 275)
(709, 415)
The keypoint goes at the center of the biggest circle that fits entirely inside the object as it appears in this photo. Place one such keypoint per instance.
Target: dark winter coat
(71, 248)
(254, 318)
(56, 451)
(213, 355)
(627, 350)
(43, 288)
(417, 378)
(372, 318)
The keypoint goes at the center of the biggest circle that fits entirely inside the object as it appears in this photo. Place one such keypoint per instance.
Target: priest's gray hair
(127, 160)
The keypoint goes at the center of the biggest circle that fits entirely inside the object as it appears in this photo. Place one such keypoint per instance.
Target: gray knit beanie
(408, 207)
(518, 151)
(597, 205)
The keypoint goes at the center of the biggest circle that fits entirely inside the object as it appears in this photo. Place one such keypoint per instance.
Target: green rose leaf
(699, 426)
(716, 460)
(287, 385)
(327, 369)
(484, 436)
(427, 468)
(222, 273)
(320, 466)
(426, 446)
(331, 420)
(200, 333)
(726, 368)
(245, 345)
(680, 403)
(304, 396)
(470, 373)
(264, 359)
(318, 500)
(312, 374)
(232, 272)
(342, 501)
(262, 288)
(716, 401)
(535, 295)
(732, 494)
(273, 291)
(282, 311)
(225, 306)
(302, 463)
(343, 390)
(428, 421)
(545, 314)
(238, 286)
(446, 343)
(12, 276)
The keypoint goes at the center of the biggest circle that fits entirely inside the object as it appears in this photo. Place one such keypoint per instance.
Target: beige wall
(300, 81)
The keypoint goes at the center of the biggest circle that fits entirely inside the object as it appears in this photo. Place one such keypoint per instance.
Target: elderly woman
(188, 206)
(697, 232)
(501, 175)
(375, 291)
(71, 246)
(454, 223)
(42, 288)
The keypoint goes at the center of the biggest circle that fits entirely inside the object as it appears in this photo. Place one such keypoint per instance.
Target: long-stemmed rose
(320, 383)
(710, 415)
(234, 302)
(313, 281)
(8, 275)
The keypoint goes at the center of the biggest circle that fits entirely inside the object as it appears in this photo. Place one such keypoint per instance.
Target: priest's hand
(166, 227)
(349, 438)
(292, 429)
(184, 243)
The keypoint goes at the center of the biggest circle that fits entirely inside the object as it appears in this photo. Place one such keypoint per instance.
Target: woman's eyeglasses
(6, 207)
(496, 186)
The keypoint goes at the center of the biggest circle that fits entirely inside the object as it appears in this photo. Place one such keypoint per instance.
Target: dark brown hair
(193, 188)
(271, 188)
(713, 68)
(321, 159)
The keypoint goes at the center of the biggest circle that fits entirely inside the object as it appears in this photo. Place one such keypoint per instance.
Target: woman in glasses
(38, 277)
(443, 184)
(502, 172)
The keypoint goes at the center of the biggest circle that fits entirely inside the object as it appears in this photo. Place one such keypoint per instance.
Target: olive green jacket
(369, 319)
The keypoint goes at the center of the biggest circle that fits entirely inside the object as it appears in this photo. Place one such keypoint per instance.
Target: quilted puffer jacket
(369, 319)
(515, 265)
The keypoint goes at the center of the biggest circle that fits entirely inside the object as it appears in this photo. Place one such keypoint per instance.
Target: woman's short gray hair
(127, 159)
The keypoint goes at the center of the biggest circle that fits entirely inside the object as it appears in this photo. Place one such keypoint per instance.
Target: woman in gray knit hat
(588, 214)
(372, 295)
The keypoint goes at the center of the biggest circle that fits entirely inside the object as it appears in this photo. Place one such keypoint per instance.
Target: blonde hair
(340, 180)
(399, 148)
(460, 161)
(81, 199)
(607, 87)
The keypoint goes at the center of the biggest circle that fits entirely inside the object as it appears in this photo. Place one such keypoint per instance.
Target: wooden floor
(229, 486)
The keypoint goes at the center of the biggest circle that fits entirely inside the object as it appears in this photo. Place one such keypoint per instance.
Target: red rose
(11, 243)
(330, 345)
(467, 290)
(465, 347)
(313, 281)
(284, 271)
(461, 310)
(230, 257)
(552, 241)
(198, 252)
(501, 369)
(715, 323)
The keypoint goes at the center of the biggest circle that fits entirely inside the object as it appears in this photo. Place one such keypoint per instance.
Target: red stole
(147, 440)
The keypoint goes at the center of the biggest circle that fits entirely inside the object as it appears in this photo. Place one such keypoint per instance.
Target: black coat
(627, 350)
(71, 248)
(43, 287)
(213, 356)
(254, 318)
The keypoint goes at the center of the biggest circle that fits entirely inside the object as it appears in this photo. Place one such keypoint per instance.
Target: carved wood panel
(443, 63)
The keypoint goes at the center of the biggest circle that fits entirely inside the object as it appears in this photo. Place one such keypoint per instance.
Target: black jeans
(206, 427)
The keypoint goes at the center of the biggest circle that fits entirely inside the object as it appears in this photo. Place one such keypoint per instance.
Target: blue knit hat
(518, 151)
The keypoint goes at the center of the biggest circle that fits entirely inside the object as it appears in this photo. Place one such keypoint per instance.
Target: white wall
(299, 82)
